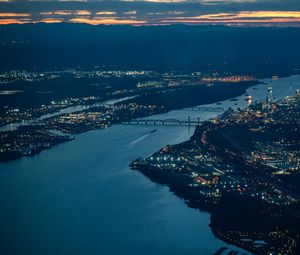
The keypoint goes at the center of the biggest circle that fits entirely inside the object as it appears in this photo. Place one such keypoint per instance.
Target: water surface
(80, 197)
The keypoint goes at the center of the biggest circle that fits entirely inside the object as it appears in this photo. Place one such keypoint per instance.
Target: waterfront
(282, 87)
(236, 167)
(71, 109)
(81, 197)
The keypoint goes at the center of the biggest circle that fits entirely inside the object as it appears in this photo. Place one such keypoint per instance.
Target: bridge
(206, 109)
(164, 122)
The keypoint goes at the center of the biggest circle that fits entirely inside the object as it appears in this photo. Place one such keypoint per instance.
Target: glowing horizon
(152, 12)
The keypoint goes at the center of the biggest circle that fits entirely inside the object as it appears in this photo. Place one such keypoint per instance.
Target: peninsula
(244, 168)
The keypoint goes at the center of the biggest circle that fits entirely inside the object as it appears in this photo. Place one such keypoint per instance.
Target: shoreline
(207, 173)
(160, 110)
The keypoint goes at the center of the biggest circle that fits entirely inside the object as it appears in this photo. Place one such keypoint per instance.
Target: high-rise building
(248, 99)
(270, 94)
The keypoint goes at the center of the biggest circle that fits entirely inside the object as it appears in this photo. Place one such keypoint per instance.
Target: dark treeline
(257, 51)
(192, 96)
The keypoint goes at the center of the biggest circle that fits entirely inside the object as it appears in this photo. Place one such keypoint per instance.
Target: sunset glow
(105, 21)
(254, 14)
(156, 12)
(241, 17)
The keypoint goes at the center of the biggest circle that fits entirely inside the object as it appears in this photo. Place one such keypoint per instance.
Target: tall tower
(270, 94)
(248, 99)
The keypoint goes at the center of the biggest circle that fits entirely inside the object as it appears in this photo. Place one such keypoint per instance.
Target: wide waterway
(80, 197)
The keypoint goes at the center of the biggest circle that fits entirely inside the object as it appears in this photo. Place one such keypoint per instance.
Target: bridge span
(164, 122)
(206, 109)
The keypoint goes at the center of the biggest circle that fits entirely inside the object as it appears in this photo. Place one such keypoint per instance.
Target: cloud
(153, 12)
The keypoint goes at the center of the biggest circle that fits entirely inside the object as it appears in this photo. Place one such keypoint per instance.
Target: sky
(153, 12)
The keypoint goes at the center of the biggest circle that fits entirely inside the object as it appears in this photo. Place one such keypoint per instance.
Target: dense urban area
(248, 157)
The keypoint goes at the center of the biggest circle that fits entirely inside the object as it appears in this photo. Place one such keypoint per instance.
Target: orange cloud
(106, 13)
(50, 20)
(61, 13)
(13, 21)
(253, 14)
(82, 12)
(106, 21)
(66, 13)
(244, 17)
(10, 14)
(290, 18)
(130, 13)
(187, 21)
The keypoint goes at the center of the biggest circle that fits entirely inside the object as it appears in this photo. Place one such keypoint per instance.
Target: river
(80, 197)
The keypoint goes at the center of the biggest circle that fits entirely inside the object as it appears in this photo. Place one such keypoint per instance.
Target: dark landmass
(241, 167)
(192, 96)
(35, 91)
(257, 51)
(23, 89)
